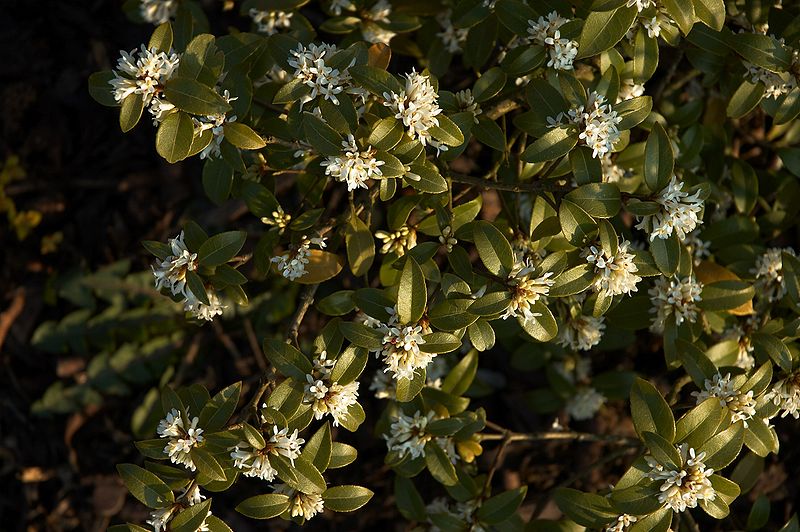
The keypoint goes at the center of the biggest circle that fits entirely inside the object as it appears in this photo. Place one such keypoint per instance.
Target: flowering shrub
(581, 180)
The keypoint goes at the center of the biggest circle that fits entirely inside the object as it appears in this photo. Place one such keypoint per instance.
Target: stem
(562, 436)
(498, 459)
(306, 298)
(536, 186)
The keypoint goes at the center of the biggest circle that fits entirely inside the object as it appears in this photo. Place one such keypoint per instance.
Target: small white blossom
(270, 22)
(215, 124)
(597, 123)
(622, 523)
(145, 72)
(466, 102)
(769, 274)
(526, 290)
(775, 85)
(581, 333)
(741, 405)
(372, 28)
(453, 38)
(279, 219)
(653, 27)
(384, 386)
(744, 356)
(616, 273)
(612, 173)
(337, 6)
(292, 264)
(447, 239)
(699, 249)
(304, 505)
(202, 311)
(674, 298)
(398, 242)
(170, 273)
(628, 90)
(545, 32)
(181, 440)
(400, 350)
(786, 395)
(417, 106)
(353, 166)
(309, 64)
(407, 434)
(326, 396)
(255, 462)
(192, 495)
(160, 517)
(641, 5)
(157, 12)
(685, 487)
(679, 212)
(585, 403)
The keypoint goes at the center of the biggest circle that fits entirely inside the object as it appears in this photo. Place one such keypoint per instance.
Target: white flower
(192, 495)
(699, 249)
(384, 385)
(466, 102)
(326, 396)
(159, 518)
(741, 405)
(309, 64)
(353, 166)
(157, 11)
(216, 124)
(685, 487)
(674, 298)
(304, 505)
(526, 290)
(145, 72)
(337, 6)
(612, 173)
(447, 239)
(279, 219)
(407, 434)
(786, 395)
(371, 29)
(653, 27)
(775, 85)
(417, 106)
(545, 32)
(255, 462)
(401, 352)
(202, 311)
(628, 89)
(584, 404)
(621, 524)
(292, 264)
(769, 274)
(581, 333)
(452, 38)
(170, 273)
(597, 123)
(679, 212)
(616, 273)
(641, 5)
(744, 357)
(270, 22)
(399, 241)
(180, 439)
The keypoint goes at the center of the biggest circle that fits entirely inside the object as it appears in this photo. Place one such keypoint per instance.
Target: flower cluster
(385, 387)
(453, 38)
(215, 124)
(255, 462)
(303, 505)
(616, 272)
(683, 487)
(769, 274)
(181, 440)
(596, 121)
(398, 242)
(145, 72)
(641, 5)
(417, 106)
(401, 352)
(447, 239)
(742, 406)
(786, 395)
(628, 89)
(674, 298)
(158, 11)
(622, 523)
(612, 173)
(581, 333)
(407, 434)
(292, 264)
(585, 403)
(774, 84)
(270, 22)
(545, 32)
(463, 511)
(679, 212)
(309, 64)
(371, 28)
(526, 290)
(326, 396)
(353, 166)
(279, 219)
(744, 356)
(466, 103)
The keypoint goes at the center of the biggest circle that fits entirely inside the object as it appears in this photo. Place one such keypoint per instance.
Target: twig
(556, 435)
(498, 459)
(536, 186)
(306, 298)
(254, 346)
(10, 315)
(502, 108)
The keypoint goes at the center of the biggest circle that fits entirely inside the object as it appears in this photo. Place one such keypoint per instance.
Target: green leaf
(447, 132)
(633, 112)
(543, 327)
(221, 248)
(361, 335)
(481, 335)
(650, 411)
(663, 451)
(386, 133)
(493, 248)
(774, 348)
(242, 136)
(321, 136)
(375, 80)
(342, 455)
(503, 506)
(556, 143)
(697, 425)
(430, 180)
(711, 13)
(666, 253)
(451, 314)
(309, 479)
(412, 296)
(130, 112)
(293, 91)
(439, 342)
(349, 365)
(761, 50)
(573, 281)
(217, 180)
(637, 499)
(360, 246)
(317, 450)
(645, 56)
(346, 498)
(220, 408)
(586, 509)
(585, 168)
(197, 287)
(659, 160)
(190, 519)
(489, 84)
(208, 467)
(604, 29)
(408, 389)
(725, 295)
(724, 447)
(682, 13)
(461, 376)
(161, 38)
(190, 95)
(264, 506)
(439, 465)
(578, 227)
(488, 132)
(287, 359)
(408, 499)
(745, 99)
(100, 88)
(744, 185)
(174, 137)
(599, 200)
(145, 486)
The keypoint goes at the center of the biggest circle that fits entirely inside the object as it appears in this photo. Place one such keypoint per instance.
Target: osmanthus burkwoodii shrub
(640, 157)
